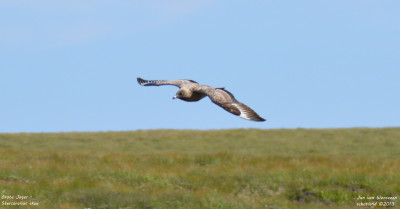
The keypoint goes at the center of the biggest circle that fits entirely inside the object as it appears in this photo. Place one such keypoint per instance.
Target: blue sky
(72, 65)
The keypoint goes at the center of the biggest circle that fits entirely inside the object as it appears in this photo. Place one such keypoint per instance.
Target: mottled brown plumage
(191, 91)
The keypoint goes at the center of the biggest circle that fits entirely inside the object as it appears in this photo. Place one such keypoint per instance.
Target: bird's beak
(174, 97)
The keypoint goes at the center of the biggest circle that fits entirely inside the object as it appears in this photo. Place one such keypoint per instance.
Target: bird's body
(194, 97)
(191, 91)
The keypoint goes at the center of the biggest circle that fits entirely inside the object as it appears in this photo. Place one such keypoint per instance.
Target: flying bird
(191, 91)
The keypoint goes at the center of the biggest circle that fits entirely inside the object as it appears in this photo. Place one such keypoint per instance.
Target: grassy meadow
(239, 168)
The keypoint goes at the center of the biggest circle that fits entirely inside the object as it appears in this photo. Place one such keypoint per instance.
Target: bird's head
(182, 94)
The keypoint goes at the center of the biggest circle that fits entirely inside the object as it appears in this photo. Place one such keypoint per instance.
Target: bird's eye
(180, 93)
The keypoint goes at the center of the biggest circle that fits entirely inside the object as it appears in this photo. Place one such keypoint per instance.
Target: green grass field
(241, 168)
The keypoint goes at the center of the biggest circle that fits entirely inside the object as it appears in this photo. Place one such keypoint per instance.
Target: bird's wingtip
(140, 80)
(256, 119)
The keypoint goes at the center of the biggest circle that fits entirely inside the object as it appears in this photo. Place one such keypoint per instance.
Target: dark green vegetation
(201, 169)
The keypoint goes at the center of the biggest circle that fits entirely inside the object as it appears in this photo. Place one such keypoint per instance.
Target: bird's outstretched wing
(241, 110)
(178, 83)
(227, 101)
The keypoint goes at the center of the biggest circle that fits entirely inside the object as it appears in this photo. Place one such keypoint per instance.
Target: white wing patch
(247, 112)
(243, 113)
